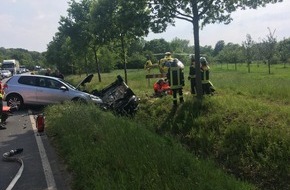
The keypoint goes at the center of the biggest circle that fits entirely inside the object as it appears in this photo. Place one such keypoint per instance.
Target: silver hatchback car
(43, 90)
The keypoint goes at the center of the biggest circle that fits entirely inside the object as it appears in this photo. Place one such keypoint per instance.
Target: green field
(239, 134)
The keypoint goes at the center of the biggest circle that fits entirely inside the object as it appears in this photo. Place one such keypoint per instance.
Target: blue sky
(31, 24)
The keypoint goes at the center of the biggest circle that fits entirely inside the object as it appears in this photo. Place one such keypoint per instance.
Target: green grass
(107, 152)
(243, 130)
(256, 84)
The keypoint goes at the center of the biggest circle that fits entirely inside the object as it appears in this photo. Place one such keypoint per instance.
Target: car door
(27, 89)
(49, 92)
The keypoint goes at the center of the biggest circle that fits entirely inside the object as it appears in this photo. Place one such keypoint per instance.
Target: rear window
(8, 80)
(28, 80)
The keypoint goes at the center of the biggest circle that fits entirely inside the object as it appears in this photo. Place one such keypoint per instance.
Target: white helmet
(203, 60)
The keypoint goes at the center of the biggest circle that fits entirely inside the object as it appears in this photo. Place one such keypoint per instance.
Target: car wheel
(14, 101)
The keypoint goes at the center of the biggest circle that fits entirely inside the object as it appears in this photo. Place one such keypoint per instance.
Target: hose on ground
(8, 156)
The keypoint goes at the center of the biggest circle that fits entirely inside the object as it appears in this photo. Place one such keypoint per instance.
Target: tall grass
(108, 152)
(257, 84)
(244, 128)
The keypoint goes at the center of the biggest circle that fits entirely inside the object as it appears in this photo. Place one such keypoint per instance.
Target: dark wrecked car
(118, 97)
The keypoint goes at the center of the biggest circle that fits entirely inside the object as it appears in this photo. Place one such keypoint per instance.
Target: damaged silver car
(44, 90)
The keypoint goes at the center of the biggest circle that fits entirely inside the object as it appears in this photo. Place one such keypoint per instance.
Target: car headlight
(96, 99)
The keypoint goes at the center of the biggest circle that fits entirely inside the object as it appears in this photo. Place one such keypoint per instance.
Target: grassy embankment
(243, 129)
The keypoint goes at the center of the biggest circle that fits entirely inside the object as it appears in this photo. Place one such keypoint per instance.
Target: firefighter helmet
(203, 60)
(161, 80)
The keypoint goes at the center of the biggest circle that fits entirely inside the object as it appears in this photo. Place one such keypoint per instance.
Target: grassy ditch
(107, 152)
(247, 138)
(243, 129)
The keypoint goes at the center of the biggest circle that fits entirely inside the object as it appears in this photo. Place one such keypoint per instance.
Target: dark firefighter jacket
(192, 71)
(205, 74)
(175, 76)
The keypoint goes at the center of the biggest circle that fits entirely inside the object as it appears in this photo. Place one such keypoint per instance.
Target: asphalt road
(43, 169)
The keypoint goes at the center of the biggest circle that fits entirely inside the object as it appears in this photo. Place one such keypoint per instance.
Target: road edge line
(51, 185)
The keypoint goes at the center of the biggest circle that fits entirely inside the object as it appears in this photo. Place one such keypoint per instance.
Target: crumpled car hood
(88, 79)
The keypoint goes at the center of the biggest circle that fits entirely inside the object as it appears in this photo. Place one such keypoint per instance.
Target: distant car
(5, 73)
(44, 90)
(21, 70)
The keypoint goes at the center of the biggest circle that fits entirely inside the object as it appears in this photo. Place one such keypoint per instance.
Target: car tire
(14, 101)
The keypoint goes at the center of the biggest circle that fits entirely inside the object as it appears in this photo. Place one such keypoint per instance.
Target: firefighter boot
(174, 103)
(181, 100)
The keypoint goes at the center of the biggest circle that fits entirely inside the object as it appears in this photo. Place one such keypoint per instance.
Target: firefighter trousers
(193, 85)
(174, 94)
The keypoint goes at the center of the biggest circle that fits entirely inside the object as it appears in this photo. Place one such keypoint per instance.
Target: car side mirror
(63, 88)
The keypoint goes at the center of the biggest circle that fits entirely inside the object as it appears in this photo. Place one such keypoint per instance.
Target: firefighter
(164, 63)
(191, 76)
(1, 112)
(58, 74)
(207, 86)
(175, 77)
(48, 72)
(148, 65)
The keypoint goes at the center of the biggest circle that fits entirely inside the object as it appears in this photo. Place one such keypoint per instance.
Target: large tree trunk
(124, 58)
(97, 63)
(199, 91)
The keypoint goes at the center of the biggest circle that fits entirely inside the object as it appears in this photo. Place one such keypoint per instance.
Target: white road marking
(45, 163)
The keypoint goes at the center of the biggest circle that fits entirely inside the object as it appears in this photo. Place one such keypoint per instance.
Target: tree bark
(97, 63)
(199, 91)
(124, 58)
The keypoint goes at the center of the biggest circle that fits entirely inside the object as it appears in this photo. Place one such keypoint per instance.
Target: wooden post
(149, 76)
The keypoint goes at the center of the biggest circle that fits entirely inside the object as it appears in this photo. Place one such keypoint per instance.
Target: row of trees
(28, 58)
(269, 50)
(250, 51)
